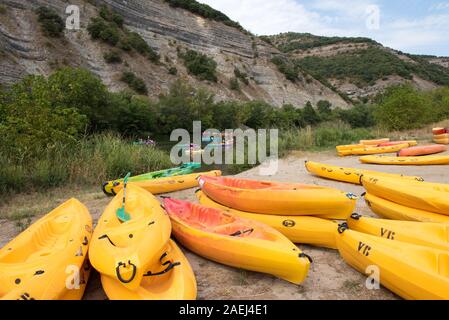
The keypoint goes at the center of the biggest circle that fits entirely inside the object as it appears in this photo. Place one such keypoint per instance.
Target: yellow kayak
(374, 142)
(349, 147)
(171, 278)
(433, 235)
(246, 244)
(305, 230)
(406, 161)
(125, 251)
(433, 197)
(441, 140)
(48, 261)
(411, 271)
(368, 150)
(169, 184)
(350, 175)
(394, 211)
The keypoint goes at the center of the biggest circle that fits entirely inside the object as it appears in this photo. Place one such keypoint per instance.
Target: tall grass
(326, 135)
(88, 162)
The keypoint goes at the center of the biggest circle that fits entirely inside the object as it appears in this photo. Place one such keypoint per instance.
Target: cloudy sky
(414, 26)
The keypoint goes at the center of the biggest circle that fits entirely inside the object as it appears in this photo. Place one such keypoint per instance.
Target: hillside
(182, 39)
(359, 67)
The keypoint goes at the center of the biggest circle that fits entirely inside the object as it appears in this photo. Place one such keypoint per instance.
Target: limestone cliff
(25, 50)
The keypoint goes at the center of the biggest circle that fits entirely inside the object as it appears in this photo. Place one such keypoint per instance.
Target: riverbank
(329, 277)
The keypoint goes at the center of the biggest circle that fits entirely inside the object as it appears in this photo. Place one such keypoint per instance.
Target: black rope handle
(356, 216)
(119, 276)
(239, 233)
(103, 188)
(303, 255)
(171, 265)
(342, 227)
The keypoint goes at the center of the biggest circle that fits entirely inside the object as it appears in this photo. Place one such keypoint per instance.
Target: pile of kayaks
(165, 181)
(441, 135)
(409, 258)
(407, 152)
(241, 223)
(136, 258)
(407, 200)
(370, 147)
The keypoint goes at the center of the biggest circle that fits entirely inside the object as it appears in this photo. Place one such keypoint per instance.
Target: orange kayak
(246, 244)
(278, 198)
(422, 150)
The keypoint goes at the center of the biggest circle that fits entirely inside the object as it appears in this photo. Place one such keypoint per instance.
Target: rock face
(25, 50)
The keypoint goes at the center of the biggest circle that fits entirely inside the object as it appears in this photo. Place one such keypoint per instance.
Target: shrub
(136, 42)
(107, 14)
(234, 84)
(173, 71)
(403, 108)
(200, 65)
(288, 68)
(134, 82)
(112, 56)
(242, 76)
(205, 11)
(359, 116)
(51, 23)
(3, 9)
(101, 30)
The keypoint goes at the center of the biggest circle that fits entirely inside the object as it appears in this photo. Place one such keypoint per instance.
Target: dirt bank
(329, 277)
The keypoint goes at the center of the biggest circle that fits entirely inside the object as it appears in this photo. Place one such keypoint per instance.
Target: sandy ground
(329, 277)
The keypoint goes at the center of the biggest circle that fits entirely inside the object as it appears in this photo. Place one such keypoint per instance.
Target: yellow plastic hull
(394, 211)
(412, 272)
(177, 284)
(126, 250)
(350, 175)
(425, 196)
(374, 142)
(169, 184)
(433, 235)
(368, 150)
(406, 161)
(41, 262)
(441, 141)
(305, 230)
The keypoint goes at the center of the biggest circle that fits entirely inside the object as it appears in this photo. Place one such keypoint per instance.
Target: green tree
(310, 116)
(401, 108)
(31, 121)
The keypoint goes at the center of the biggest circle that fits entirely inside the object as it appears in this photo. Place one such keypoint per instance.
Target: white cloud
(439, 6)
(339, 18)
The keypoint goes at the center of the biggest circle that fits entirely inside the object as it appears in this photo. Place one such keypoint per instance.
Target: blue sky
(413, 26)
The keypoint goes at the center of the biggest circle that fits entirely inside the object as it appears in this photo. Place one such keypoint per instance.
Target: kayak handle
(171, 265)
(119, 276)
(356, 216)
(303, 255)
(342, 227)
(239, 233)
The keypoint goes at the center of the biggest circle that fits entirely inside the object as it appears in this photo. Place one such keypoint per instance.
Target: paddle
(121, 213)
